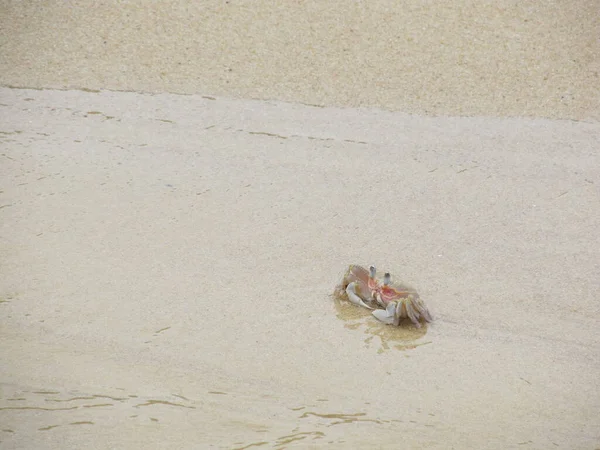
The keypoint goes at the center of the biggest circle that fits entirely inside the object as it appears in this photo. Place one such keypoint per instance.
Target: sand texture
(167, 260)
(459, 57)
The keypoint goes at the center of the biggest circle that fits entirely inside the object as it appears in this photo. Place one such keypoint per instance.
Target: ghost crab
(389, 302)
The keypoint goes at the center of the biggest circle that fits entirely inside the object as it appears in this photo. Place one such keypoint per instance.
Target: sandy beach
(167, 260)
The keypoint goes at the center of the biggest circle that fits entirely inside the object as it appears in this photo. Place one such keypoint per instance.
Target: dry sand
(167, 260)
(459, 57)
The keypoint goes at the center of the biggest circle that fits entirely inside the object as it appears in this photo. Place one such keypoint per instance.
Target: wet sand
(167, 260)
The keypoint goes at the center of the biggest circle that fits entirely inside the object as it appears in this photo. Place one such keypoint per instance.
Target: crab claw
(387, 315)
(354, 297)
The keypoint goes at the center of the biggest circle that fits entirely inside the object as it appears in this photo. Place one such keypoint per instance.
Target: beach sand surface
(167, 261)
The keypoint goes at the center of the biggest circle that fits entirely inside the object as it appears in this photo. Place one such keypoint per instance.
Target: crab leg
(422, 309)
(398, 312)
(411, 313)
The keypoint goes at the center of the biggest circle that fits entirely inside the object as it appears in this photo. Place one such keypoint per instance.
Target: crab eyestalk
(387, 278)
(374, 285)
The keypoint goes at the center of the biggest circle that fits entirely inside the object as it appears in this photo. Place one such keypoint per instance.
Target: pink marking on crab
(390, 293)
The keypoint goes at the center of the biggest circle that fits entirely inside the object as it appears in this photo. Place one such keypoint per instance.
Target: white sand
(166, 260)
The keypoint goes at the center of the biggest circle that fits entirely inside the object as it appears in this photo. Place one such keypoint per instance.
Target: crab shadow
(403, 337)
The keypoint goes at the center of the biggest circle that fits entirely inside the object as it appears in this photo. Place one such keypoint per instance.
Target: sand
(167, 260)
(459, 57)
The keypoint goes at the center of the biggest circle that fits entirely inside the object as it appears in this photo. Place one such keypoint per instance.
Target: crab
(389, 302)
